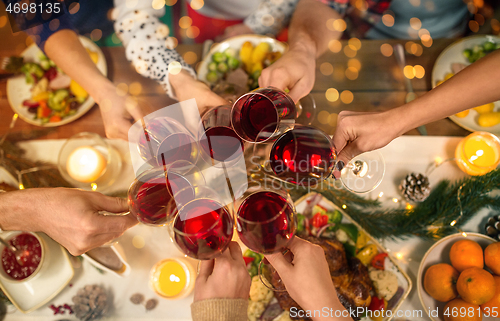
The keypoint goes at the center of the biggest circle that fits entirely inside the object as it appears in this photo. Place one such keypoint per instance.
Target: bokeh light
(197, 4)
(267, 20)
(479, 18)
(329, 24)
(346, 97)
(138, 242)
(74, 7)
(54, 24)
(323, 117)
(355, 43)
(174, 68)
(3, 21)
(121, 89)
(335, 46)
(415, 23)
(338, 72)
(332, 119)
(415, 3)
(388, 20)
(354, 63)
(135, 88)
(190, 57)
(185, 22)
(339, 25)
(416, 49)
(419, 71)
(361, 5)
(473, 26)
(349, 51)
(351, 73)
(171, 42)
(408, 45)
(495, 25)
(386, 50)
(409, 72)
(426, 40)
(192, 32)
(158, 4)
(96, 35)
(326, 68)
(332, 94)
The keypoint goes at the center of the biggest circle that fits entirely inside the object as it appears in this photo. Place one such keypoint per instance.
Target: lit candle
(478, 153)
(85, 164)
(173, 278)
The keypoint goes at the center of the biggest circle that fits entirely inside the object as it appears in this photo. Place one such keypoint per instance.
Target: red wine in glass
(255, 116)
(266, 222)
(222, 143)
(150, 196)
(303, 156)
(203, 228)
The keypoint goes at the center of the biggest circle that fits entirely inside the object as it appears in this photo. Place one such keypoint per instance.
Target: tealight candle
(478, 153)
(173, 278)
(85, 164)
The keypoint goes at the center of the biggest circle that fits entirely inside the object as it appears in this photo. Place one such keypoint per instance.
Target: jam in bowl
(31, 256)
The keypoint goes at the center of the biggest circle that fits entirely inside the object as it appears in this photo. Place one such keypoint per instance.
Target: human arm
(307, 278)
(308, 39)
(475, 85)
(69, 216)
(222, 288)
(65, 49)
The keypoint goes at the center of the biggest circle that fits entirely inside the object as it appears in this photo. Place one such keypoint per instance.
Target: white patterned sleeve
(271, 16)
(146, 40)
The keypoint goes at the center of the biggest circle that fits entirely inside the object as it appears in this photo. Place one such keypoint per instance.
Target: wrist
(180, 81)
(303, 44)
(16, 208)
(104, 89)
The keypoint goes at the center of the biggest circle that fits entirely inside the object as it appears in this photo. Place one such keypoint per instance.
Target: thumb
(344, 157)
(280, 263)
(110, 204)
(299, 90)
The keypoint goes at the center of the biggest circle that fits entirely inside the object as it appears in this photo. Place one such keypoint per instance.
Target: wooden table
(379, 86)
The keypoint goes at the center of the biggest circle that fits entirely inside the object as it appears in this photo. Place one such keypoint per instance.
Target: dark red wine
(31, 256)
(303, 156)
(222, 143)
(203, 228)
(164, 142)
(266, 222)
(150, 200)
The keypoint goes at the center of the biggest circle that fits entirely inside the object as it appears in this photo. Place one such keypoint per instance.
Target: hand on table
(359, 132)
(186, 87)
(225, 277)
(295, 70)
(233, 31)
(69, 216)
(307, 278)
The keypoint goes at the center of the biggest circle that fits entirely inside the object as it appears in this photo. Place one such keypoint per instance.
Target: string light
(380, 194)
(464, 234)
(409, 206)
(453, 223)
(395, 200)
(93, 186)
(344, 206)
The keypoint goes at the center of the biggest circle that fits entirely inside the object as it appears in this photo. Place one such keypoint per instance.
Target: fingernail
(340, 165)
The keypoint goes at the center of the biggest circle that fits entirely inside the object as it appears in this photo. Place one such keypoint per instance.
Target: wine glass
(155, 194)
(306, 156)
(217, 140)
(265, 217)
(203, 226)
(255, 111)
(165, 141)
(306, 110)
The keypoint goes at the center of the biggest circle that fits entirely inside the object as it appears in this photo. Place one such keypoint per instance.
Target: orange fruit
(492, 257)
(465, 254)
(462, 114)
(476, 286)
(459, 310)
(492, 307)
(440, 282)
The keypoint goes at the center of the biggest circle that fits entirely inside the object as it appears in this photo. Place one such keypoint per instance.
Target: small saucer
(56, 272)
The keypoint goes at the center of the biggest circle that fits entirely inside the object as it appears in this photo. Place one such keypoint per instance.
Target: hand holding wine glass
(228, 269)
(307, 278)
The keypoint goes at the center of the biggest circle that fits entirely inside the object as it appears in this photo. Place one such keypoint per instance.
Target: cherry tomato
(378, 261)
(319, 220)
(377, 304)
(248, 259)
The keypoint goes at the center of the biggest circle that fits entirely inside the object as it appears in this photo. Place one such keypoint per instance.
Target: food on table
(476, 286)
(486, 108)
(465, 254)
(492, 257)
(367, 253)
(54, 95)
(91, 303)
(7, 187)
(61, 309)
(252, 260)
(241, 67)
(385, 283)
(377, 304)
(479, 51)
(457, 310)
(493, 228)
(440, 282)
(172, 278)
(489, 119)
(478, 153)
(137, 298)
(107, 257)
(151, 304)
(260, 296)
(462, 114)
(492, 307)
(31, 256)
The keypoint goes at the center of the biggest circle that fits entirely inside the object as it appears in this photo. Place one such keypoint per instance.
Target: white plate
(55, 273)
(236, 43)
(454, 54)
(404, 281)
(439, 253)
(18, 90)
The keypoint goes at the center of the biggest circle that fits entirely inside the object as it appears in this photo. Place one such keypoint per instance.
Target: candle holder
(88, 162)
(478, 153)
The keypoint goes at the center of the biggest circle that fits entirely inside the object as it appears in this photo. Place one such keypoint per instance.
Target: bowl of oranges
(459, 279)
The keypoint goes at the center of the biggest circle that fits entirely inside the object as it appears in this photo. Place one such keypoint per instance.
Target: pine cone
(415, 187)
(91, 303)
(493, 227)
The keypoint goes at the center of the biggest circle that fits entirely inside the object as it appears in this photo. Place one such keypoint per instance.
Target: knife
(410, 95)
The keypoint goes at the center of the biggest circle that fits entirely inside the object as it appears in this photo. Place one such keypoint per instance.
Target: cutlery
(18, 253)
(410, 95)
